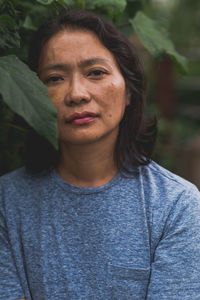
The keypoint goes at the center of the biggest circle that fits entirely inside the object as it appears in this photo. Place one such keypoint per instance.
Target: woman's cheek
(56, 97)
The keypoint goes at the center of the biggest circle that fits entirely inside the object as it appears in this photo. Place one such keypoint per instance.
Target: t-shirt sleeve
(175, 272)
(10, 288)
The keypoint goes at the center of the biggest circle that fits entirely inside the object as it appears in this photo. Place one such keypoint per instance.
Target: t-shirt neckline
(83, 190)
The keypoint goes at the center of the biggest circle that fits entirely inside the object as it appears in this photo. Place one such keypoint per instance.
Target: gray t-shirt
(136, 237)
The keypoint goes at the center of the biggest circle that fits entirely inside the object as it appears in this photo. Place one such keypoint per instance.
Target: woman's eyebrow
(92, 61)
(51, 67)
(81, 64)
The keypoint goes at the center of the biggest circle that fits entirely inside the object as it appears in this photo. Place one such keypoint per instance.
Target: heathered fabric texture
(133, 238)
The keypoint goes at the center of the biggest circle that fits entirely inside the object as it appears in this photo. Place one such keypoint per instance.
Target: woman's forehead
(81, 46)
(72, 38)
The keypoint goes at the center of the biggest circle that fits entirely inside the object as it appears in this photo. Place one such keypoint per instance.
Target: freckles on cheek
(55, 97)
(115, 89)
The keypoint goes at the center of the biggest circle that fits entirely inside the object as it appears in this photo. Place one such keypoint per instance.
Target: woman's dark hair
(136, 138)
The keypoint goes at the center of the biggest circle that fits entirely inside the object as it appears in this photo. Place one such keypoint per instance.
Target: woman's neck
(87, 165)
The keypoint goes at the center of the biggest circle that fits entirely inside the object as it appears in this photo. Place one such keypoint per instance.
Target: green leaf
(27, 96)
(118, 5)
(8, 21)
(79, 4)
(9, 36)
(142, 1)
(63, 3)
(45, 2)
(35, 16)
(8, 7)
(156, 40)
(29, 24)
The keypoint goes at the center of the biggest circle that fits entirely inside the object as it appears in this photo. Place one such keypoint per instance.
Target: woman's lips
(81, 118)
(83, 121)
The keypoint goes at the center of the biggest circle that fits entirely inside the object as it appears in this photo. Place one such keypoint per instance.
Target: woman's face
(85, 85)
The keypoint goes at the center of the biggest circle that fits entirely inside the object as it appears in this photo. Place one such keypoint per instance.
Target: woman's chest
(87, 251)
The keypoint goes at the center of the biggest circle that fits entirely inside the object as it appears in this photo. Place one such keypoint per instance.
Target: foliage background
(156, 27)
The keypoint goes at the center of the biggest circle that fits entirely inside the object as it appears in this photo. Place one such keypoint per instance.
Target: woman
(99, 220)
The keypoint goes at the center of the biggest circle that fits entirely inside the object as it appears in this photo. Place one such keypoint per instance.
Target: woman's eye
(53, 79)
(96, 73)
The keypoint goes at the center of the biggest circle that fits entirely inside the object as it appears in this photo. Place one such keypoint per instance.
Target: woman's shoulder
(13, 174)
(166, 192)
(164, 180)
(21, 182)
(20, 176)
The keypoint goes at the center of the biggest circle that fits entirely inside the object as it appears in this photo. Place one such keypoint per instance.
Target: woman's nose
(77, 92)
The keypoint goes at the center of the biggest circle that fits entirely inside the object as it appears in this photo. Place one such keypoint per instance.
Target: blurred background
(172, 95)
(175, 98)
